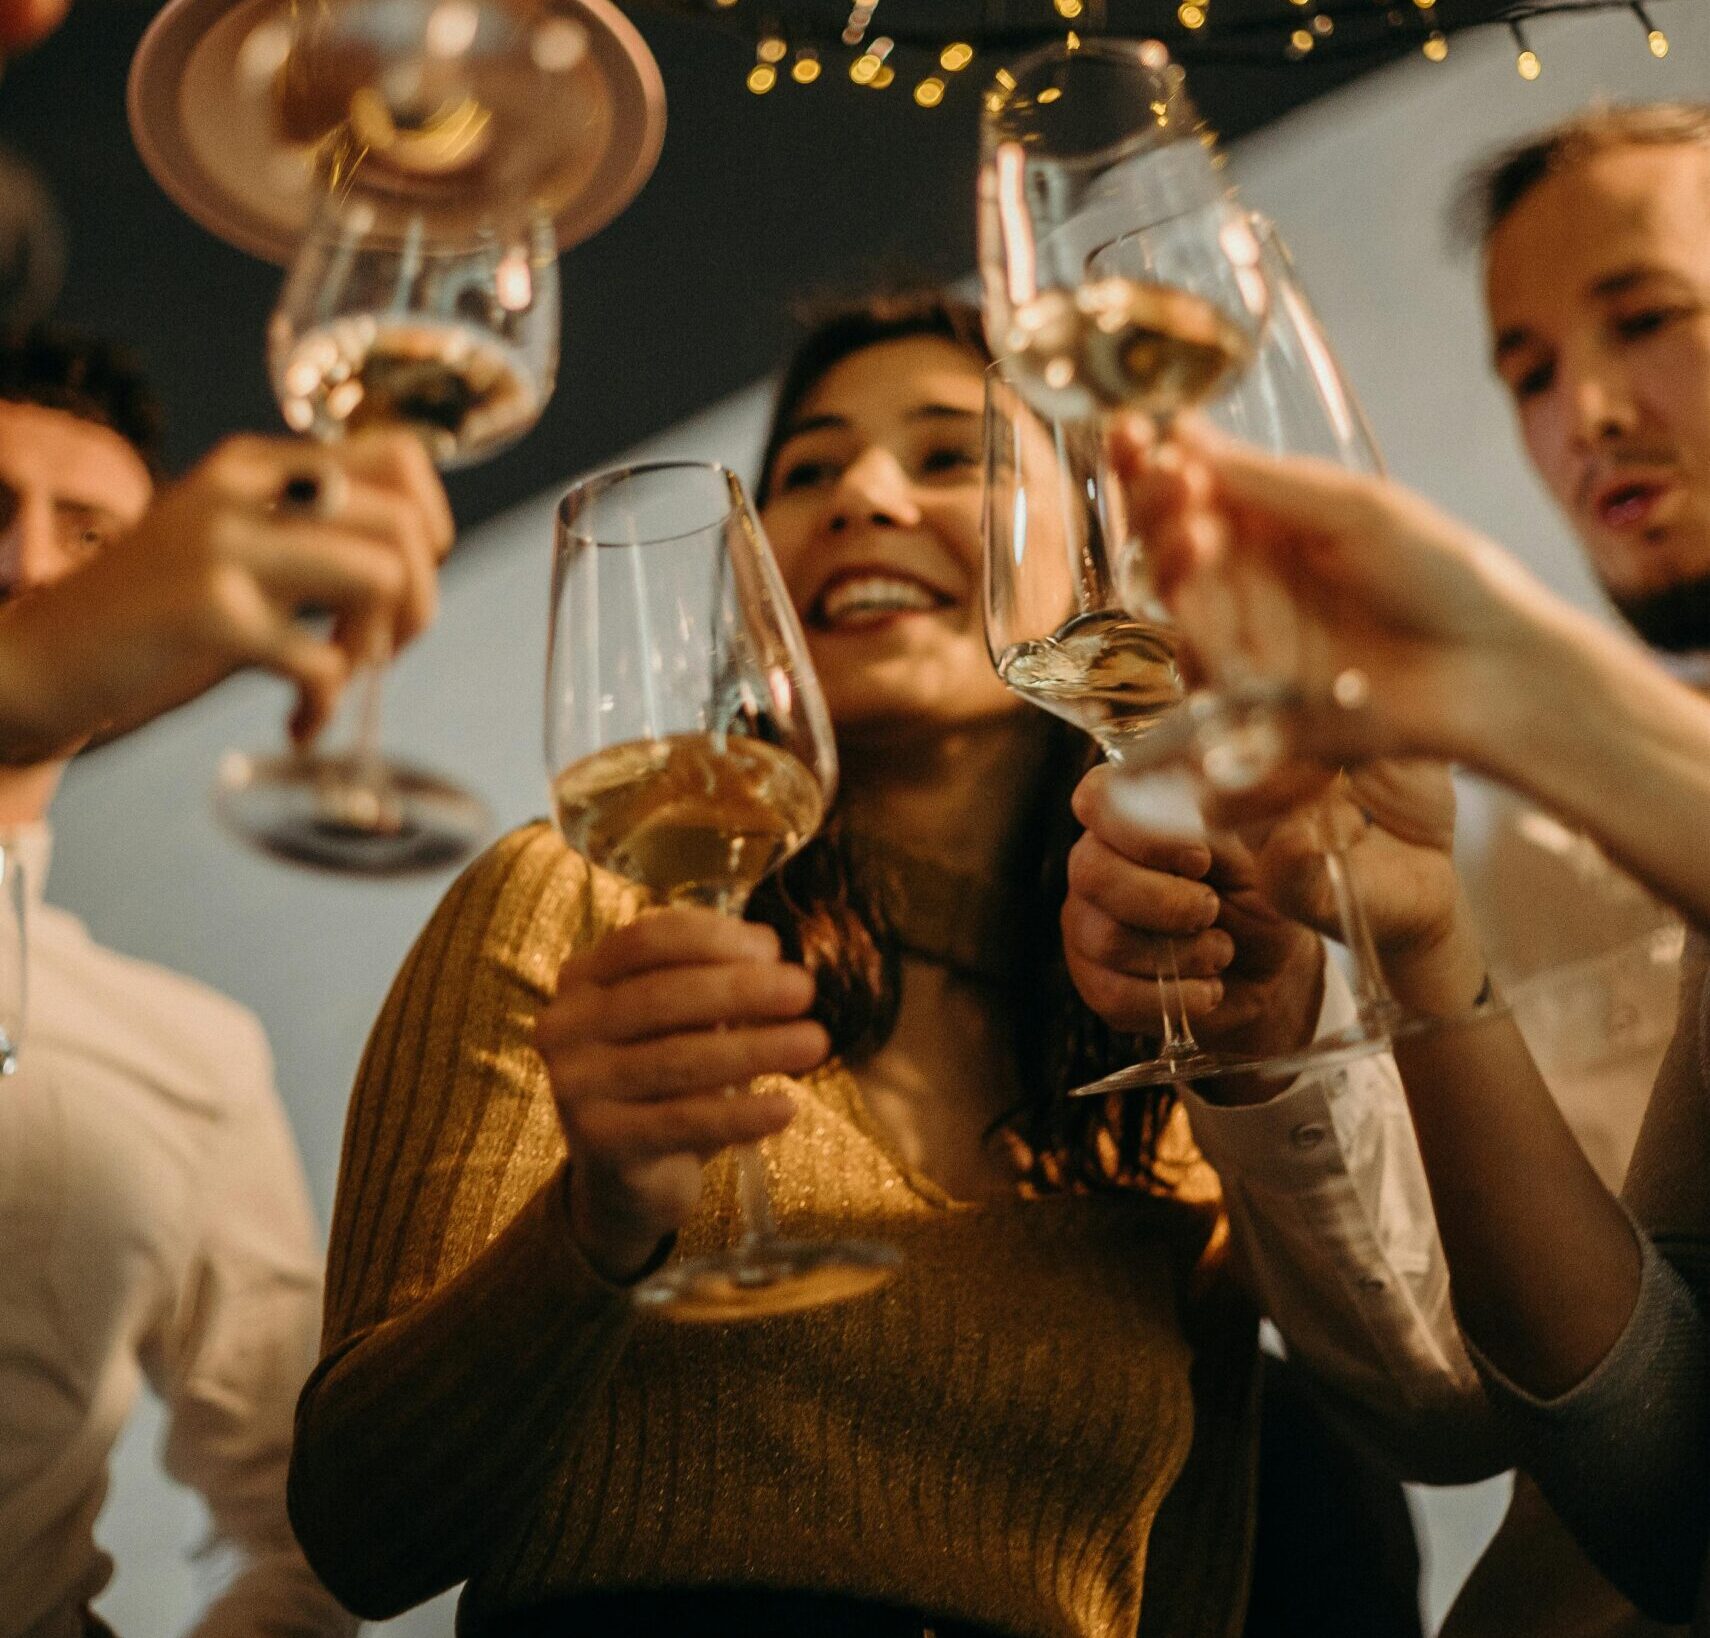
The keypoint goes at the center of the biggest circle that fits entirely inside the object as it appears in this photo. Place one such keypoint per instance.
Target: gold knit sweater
(990, 1438)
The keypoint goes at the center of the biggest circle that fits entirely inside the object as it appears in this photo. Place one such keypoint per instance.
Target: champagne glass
(456, 339)
(1059, 634)
(690, 750)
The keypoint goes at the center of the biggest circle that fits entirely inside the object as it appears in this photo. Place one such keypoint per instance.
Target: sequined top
(990, 1438)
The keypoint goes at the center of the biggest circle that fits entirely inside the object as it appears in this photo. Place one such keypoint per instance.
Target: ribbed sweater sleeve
(464, 1334)
(1624, 1456)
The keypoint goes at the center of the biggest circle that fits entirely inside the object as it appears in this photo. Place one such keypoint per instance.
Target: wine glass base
(320, 811)
(765, 1278)
(1359, 1040)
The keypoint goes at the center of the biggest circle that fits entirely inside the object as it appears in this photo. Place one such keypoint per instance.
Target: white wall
(1360, 184)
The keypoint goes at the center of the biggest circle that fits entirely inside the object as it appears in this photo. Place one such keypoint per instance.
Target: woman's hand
(648, 1038)
(1421, 630)
(1251, 978)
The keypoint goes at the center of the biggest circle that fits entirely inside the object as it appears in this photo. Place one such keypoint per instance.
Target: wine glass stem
(758, 1227)
(1178, 1039)
(368, 766)
(1371, 993)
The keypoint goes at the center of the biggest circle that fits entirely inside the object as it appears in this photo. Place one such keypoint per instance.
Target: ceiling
(758, 203)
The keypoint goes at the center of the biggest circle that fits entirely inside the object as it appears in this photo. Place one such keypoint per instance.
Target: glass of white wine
(689, 750)
(455, 339)
(1059, 634)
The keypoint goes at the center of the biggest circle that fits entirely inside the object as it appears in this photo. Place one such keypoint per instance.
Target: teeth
(874, 594)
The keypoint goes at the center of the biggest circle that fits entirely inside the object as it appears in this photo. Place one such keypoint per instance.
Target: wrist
(1441, 974)
(620, 1251)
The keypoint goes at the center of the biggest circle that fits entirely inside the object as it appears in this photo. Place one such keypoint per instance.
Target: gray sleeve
(1624, 1457)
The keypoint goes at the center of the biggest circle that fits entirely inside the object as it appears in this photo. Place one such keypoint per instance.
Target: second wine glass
(457, 342)
(690, 750)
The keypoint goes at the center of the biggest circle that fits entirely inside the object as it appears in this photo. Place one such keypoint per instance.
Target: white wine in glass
(689, 750)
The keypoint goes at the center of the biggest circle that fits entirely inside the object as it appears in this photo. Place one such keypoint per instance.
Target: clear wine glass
(1057, 630)
(1080, 145)
(689, 750)
(455, 339)
(1294, 399)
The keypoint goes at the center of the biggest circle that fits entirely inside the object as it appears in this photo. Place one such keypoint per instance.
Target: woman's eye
(807, 475)
(950, 458)
(1647, 321)
(1534, 381)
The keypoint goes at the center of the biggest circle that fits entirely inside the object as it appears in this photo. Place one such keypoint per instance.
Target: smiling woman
(1046, 1422)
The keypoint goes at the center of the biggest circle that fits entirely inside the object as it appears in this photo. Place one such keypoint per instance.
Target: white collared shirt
(154, 1222)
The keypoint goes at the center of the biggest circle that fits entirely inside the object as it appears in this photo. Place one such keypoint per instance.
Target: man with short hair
(1596, 242)
(154, 1221)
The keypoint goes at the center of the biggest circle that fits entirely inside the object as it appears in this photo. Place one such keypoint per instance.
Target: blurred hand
(1251, 978)
(219, 574)
(1304, 572)
(648, 1036)
(1396, 823)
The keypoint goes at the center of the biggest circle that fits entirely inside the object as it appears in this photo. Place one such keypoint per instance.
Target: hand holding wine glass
(645, 1034)
(690, 751)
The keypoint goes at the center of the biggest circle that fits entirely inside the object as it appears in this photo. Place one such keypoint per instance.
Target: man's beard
(1675, 619)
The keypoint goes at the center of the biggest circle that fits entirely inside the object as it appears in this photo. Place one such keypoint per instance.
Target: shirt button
(1308, 1135)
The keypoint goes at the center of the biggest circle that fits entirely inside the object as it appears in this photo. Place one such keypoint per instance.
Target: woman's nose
(874, 489)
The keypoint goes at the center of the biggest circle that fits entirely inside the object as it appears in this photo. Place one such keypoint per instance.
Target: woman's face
(875, 519)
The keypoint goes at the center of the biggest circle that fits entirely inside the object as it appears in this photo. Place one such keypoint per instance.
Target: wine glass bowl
(689, 750)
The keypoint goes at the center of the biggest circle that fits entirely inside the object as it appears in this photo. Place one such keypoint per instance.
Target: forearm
(1542, 1260)
(418, 1440)
(1602, 736)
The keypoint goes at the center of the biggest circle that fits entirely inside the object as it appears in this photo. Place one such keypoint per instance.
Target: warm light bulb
(1190, 15)
(1301, 40)
(1528, 66)
(1658, 42)
(1323, 26)
(805, 70)
(761, 78)
(865, 69)
(954, 58)
(771, 50)
(930, 92)
(1070, 8)
(1050, 94)
(885, 77)
(1436, 48)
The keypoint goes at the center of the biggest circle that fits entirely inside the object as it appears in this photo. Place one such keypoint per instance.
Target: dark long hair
(829, 910)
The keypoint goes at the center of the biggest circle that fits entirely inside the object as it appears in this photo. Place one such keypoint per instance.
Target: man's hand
(218, 576)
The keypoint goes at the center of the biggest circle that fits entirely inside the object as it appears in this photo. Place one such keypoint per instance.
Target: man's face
(1598, 285)
(67, 488)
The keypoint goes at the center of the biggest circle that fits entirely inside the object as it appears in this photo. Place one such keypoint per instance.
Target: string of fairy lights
(876, 43)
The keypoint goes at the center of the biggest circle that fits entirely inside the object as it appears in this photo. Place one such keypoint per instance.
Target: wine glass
(689, 749)
(1080, 145)
(456, 339)
(1294, 399)
(1057, 630)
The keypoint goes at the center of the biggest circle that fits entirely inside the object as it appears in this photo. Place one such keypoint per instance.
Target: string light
(870, 69)
(954, 58)
(771, 49)
(761, 78)
(1654, 36)
(1526, 63)
(1070, 9)
(855, 31)
(930, 92)
(1437, 46)
(1190, 15)
(806, 68)
(1323, 26)
(1300, 42)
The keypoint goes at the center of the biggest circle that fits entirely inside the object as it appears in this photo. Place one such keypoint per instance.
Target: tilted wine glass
(456, 339)
(690, 750)
(1059, 635)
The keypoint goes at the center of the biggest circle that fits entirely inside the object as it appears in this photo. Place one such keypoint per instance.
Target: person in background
(154, 1221)
(1585, 1315)
(1596, 237)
